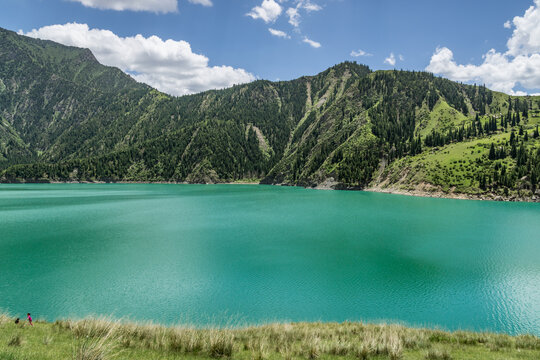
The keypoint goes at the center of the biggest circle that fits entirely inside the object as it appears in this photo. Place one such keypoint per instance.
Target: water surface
(206, 254)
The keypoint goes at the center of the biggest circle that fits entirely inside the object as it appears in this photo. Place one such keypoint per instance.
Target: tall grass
(103, 338)
(305, 340)
(97, 338)
(437, 354)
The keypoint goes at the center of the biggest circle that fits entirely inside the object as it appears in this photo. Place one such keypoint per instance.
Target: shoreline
(454, 196)
(105, 338)
(437, 194)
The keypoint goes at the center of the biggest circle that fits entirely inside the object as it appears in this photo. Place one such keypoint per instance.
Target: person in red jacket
(29, 319)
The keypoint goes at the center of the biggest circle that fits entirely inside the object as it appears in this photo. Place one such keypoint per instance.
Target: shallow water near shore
(207, 254)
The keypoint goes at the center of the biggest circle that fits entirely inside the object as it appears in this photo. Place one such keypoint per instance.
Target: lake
(230, 254)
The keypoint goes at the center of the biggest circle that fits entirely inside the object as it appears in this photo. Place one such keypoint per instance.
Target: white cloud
(294, 16)
(294, 12)
(158, 6)
(391, 60)
(401, 58)
(268, 11)
(202, 2)
(507, 25)
(499, 72)
(279, 33)
(310, 6)
(525, 39)
(360, 52)
(520, 64)
(170, 66)
(312, 43)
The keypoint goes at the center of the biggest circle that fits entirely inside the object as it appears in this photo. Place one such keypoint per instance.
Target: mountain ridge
(65, 117)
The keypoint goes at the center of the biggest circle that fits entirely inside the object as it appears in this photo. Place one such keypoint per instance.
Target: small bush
(220, 344)
(437, 354)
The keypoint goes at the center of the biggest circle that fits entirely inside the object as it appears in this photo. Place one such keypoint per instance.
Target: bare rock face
(328, 184)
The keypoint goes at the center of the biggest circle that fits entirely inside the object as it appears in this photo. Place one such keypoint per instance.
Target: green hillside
(65, 117)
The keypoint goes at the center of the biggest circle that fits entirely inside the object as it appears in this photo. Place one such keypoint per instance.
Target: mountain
(65, 117)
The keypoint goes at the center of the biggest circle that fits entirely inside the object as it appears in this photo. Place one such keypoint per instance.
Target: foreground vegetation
(102, 339)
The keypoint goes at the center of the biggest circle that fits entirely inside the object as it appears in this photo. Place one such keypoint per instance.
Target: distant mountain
(65, 117)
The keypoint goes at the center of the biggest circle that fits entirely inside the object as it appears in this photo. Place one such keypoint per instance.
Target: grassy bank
(101, 339)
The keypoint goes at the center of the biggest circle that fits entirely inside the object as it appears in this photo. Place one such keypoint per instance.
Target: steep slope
(47, 89)
(72, 119)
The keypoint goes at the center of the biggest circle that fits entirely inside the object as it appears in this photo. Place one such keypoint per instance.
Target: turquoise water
(221, 253)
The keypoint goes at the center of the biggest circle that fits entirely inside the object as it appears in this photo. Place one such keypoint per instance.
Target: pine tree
(492, 155)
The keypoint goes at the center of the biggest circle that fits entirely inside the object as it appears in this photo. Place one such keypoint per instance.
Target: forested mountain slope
(65, 117)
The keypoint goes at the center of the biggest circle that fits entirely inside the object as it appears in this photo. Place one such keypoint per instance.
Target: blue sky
(238, 47)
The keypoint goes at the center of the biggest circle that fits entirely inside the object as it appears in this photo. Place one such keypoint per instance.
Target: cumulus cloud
(202, 2)
(312, 43)
(499, 71)
(279, 33)
(268, 11)
(170, 66)
(520, 64)
(507, 25)
(360, 52)
(525, 39)
(390, 60)
(158, 6)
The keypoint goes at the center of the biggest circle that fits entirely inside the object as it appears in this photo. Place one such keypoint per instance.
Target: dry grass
(437, 354)
(99, 340)
(4, 319)
(104, 339)
(306, 340)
